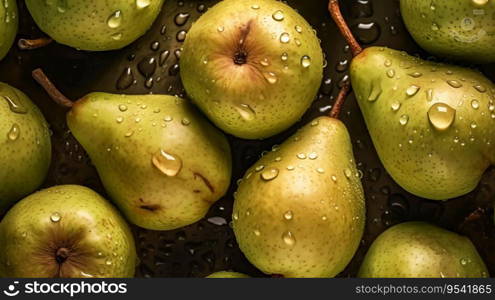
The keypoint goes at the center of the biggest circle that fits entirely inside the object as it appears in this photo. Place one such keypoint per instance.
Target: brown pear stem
(334, 9)
(28, 44)
(51, 89)
(339, 101)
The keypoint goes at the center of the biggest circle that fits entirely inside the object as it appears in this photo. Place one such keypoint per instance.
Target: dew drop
(278, 15)
(313, 156)
(412, 90)
(403, 120)
(395, 105)
(480, 88)
(301, 156)
(475, 104)
(269, 174)
(348, 173)
(55, 217)
(284, 38)
(454, 83)
(15, 106)
(390, 73)
(441, 115)
(284, 56)
(167, 163)
(14, 132)
(288, 215)
(143, 3)
(375, 93)
(288, 238)
(115, 19)
(305, 61)
(122, 107)
(246, 112)
(270, 77)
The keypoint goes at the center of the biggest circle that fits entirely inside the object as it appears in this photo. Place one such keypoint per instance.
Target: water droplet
(434, 27)
(255, 6)
(324, 218)
(415, 74)
(284, 56)
(375, 93)
(475, 104)
(288, 215)
(454, 83)
(168, 118)
(278, 15)
(235, 216)
(15, 106)
(320, 170)
(334, 178)
(298, 28)
(395, 105)
(185, 121)
(441, 115)
(429, 94)
(288, 238)
(122, 107)
(301, 156)
(256, 232)
(119, 120)
(412, 90)
(246, 112)
(55, 217)
(284, 38)
(270, 77)
(348, 173)
(259, 168)
(480, 88)
(391, 73)
(314, 123)
(181, 19)
(129, 133)
(313, 156)
(403, 120)
(387, 63)
(14, 132)
(305, 61)
(269, 174)
(220, 29)
(291, 168)
(115, 19)
(167, 163)
(142, 3)
(463, 261)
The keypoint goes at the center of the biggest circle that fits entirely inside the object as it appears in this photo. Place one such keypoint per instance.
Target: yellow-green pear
(252, 66)
(227, 274)
(65, 231)
(9, 20)
(419, 250)
(300, 211)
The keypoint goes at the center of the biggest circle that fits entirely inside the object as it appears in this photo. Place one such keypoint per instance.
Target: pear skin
(421, 250)
(26, 147)
(8, 29)
(463, 30)
(431, 124)
(161, 162)
(261, 66)
(300, 211)
(94, 25)
(65, 231)
(227, 274)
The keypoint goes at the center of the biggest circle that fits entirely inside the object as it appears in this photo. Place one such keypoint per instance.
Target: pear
(260, 66)
(161, 162)
(65, 231)
(419, 250)
(9, 20)
(463, 30)
(300, 211)
(25, 146)
(431, 123)
(227, 274)
(94, 25)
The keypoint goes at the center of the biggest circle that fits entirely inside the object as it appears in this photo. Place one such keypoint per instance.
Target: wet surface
(150, 65)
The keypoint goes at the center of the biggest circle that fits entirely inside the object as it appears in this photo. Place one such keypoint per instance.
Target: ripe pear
(463, 30)
(65, 231)
(25, 146)
(252, 66)
(419, 250)
(94, 25)
(300, 211)
(227, 274)
(161, 162)
(9, 20)
(431, 124)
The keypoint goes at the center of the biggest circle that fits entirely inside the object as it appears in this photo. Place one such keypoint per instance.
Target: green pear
(300, 211)
(462, 29)
(25, 146)
(431, 124)
(227, 274)
(252, 66)
(65, 231)
(9, 20)
(420, 250)
(161, 162)
(94, 25)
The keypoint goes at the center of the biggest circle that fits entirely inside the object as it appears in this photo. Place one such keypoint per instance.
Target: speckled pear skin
(308, 220)
(25, 145)
(421, 250)
(9, 20)
(461, 29)
(123, 133)
(396, 92)
(272, 90)
(227, 274)
(97, 238)
(89, 25)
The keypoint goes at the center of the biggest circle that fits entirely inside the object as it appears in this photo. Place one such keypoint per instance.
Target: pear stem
(51, 89)
(31, 44)
(334, 9)
(339, 101)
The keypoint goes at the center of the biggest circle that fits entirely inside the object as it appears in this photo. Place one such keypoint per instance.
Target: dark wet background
(151, 65)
